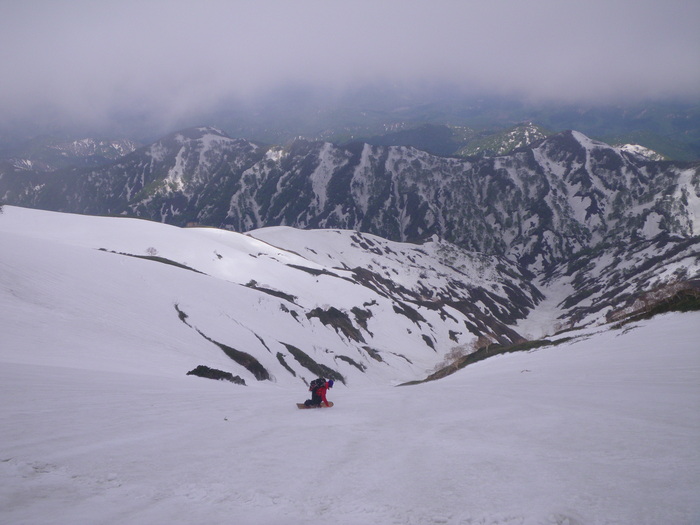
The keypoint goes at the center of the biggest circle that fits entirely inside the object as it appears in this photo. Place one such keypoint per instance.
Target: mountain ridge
(203, 176)
(559, 209)
(48, 154)
(347, 303)
(284, 305)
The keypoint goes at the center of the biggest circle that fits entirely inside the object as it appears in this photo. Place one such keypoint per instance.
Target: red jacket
(321, 391)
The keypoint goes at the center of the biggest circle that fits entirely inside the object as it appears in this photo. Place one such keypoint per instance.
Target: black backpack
(316, 384)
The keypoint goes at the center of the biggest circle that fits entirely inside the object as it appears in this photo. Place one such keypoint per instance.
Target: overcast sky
(91, 59)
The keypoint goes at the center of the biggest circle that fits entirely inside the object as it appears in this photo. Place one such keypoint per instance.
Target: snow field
(602, 430)
(60, 288)
(100, 425)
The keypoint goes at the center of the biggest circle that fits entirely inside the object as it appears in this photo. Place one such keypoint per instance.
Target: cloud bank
(90, 61)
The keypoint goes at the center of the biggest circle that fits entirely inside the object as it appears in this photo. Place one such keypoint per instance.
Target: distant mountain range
(537, 205)
(560, 208)
(461, 141)
(671, 128)
(46, 154)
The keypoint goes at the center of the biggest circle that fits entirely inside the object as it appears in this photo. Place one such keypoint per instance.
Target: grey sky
(89, 59)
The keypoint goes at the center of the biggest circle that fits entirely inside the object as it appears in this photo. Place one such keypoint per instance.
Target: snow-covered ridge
(378, 311)
(99, 422)
(541, 207)
(48, 155)
(85, 147)
(543, 210)
(521, 136)
(641, 151)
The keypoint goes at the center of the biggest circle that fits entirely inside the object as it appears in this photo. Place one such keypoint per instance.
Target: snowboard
(303, 406)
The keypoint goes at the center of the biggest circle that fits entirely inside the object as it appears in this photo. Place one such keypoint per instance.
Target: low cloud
(89, 61)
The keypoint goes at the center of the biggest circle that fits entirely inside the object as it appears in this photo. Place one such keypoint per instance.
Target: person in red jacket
(318, 390)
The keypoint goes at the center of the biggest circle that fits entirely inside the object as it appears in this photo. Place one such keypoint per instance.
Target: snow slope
(61, 270)
(603, 430)
(99, 424)
(57, 281)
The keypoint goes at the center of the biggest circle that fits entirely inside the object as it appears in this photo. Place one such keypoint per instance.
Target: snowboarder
(318, 390)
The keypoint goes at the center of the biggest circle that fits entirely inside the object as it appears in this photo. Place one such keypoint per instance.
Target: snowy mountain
(505, 142)
(90, 147)
(462, 141)
(52, 154)
(370, 306)
(597, 223)
(102, 319)
(433, 138)
(646, 153)
(185, 176)
(538, 206)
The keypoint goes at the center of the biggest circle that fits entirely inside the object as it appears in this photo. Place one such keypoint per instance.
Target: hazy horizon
(87, 64)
